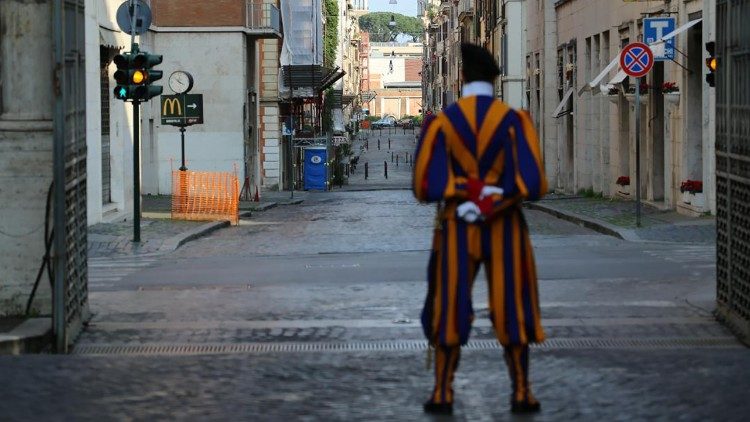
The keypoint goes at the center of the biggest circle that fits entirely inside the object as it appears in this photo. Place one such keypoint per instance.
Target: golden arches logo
(173, 104)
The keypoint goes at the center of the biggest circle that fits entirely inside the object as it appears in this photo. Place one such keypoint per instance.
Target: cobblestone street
(309, 311)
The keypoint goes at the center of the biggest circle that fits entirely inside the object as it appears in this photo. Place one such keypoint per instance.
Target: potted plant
(643, 91)
(622, 182)
(671, 92)
(692, 193)
(613, 94)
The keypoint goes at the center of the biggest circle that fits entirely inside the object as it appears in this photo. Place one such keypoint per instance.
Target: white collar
(478, 88)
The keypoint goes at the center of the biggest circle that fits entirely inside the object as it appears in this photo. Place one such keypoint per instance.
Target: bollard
(396, 160)
(389, 143)
(392, 156)
(366, 170)
(378, 144)
(385, 164)
(347, 170)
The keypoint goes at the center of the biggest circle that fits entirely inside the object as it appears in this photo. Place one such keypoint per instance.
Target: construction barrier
(202, 196)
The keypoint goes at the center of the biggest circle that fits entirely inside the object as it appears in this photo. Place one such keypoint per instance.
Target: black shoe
(525, 406)
(438, 408)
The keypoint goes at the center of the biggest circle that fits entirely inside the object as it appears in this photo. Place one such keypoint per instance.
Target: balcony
(465, 9)
(263, 20)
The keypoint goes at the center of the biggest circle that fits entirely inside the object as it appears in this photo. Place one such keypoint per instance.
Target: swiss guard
(479, 160)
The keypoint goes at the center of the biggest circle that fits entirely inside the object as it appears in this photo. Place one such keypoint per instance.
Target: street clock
(180, 82)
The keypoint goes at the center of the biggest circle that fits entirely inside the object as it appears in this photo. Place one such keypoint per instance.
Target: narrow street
(310, 312)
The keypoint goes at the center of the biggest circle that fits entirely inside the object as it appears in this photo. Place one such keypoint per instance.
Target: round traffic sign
(636, 59)
(140, 11)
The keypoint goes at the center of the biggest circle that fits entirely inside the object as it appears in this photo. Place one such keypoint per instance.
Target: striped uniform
(480, 138)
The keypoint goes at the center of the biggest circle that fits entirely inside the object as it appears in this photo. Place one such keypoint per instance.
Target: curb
(176, 241)
(589, 223)
(32, 336)
(259, 207)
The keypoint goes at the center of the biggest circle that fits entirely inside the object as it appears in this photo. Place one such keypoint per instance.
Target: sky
(405, 7)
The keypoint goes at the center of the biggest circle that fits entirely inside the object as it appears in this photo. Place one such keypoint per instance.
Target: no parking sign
(636, 59)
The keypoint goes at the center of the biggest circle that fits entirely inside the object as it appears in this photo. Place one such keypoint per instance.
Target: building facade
(582, 105)
(395, 79)
(497, 25)
(225, 46)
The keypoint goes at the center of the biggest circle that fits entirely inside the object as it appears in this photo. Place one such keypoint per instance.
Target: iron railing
(262, 17)
(733, 165)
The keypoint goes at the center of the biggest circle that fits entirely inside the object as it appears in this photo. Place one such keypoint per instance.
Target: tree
(331, 35)
(377, 25)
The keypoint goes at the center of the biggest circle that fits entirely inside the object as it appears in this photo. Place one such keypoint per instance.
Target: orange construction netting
(198, 195)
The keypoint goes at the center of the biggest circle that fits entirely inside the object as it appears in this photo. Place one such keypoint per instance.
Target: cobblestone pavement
(630, 328)
(657, 225)
(589, 385)
(402, 145)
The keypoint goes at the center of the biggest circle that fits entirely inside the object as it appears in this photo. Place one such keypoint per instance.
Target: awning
(599, 78)
(307, 80)
(107, 39)
(657, 46)
(562, 108)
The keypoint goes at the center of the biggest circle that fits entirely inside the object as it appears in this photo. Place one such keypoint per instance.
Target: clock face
(180, 82)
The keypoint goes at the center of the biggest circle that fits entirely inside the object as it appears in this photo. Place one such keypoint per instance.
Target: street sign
(636, 59)
(142, 16)
(182, 110)
(654, 29)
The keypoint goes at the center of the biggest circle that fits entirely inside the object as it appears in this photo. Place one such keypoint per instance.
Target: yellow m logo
(173, 104)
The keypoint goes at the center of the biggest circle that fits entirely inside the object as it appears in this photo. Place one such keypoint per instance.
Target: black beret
(478, 64)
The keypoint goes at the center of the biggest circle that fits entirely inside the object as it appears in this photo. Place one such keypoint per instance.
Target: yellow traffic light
(711, 63)
(139, 77)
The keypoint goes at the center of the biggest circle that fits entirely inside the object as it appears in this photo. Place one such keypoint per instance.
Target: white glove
(490, 190)
(469, 212)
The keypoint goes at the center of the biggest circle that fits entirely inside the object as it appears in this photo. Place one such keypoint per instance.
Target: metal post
(385, 163)
(396, 160)
(366, 170)
(378, 144)
(182, 133)
(638, 152)
(389, 143)
(136, 172)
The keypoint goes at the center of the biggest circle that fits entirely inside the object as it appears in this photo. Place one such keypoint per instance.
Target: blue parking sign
(654, 29)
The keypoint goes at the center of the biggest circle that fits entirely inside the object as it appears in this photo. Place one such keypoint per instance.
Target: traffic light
(126, 77)
(144, 63)
(135, 75)
(712, 63)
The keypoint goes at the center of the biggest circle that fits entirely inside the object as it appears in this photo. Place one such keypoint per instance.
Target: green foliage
(377, 25)
(373, 118)
(590, 193)
(331, 35)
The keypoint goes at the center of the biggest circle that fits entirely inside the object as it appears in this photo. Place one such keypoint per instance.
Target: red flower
(623, 180)
(692, 186)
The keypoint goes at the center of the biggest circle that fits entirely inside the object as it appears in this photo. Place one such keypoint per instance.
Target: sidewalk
(160, 234)
(617, 218)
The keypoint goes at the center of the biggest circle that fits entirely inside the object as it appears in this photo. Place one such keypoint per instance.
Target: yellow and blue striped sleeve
(433, 178)
(523, 174)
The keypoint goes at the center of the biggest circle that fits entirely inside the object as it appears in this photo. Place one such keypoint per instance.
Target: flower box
(672, 97)
(631, 98)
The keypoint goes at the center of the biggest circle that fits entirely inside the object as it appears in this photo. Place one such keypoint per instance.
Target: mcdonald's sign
(182, 110)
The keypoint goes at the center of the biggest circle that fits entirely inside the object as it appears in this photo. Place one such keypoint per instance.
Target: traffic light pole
(136, 172)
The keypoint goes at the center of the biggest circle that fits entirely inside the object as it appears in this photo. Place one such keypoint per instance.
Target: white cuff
(469, 212)
(490, 190)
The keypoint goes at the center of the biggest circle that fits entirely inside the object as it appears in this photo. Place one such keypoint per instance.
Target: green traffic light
(121, 93)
